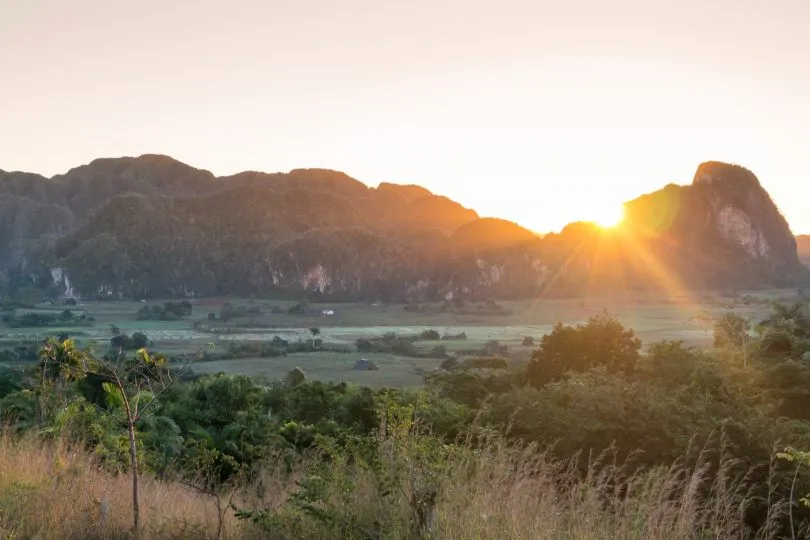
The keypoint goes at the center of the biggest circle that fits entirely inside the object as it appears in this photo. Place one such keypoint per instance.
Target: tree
(671, 363)
(705, 321)
(136, 385)
(315, 331)
(139, 340)
(494, 348)
(602, 341)
(794, 314)
(364, 345)
(61, 363)
(732, 331)
(295, 377)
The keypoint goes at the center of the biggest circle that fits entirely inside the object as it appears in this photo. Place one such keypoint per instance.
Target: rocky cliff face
(745, 216)
(152, 226)
(723, 229)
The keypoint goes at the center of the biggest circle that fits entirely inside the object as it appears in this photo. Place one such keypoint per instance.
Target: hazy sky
(543, 112)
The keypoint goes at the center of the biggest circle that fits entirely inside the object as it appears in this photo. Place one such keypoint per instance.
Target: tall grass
(50, 490)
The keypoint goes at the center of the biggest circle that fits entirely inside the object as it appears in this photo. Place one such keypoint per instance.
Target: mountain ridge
(154, 226)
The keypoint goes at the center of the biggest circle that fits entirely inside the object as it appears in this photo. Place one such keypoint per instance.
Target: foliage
(169, 312)
(485, 362)
(401, 345)
(731, 329)
(138, 340)
(24, 352)
(46, 319)
(602, 341)
(673, 423)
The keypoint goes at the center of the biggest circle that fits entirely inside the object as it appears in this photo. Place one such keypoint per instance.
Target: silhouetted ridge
(153, 226)
(489, 233)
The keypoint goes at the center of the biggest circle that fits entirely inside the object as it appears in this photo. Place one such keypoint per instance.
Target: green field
(393, 370)
(653, 319)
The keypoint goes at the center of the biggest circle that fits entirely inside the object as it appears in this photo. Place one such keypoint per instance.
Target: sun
(607, 217)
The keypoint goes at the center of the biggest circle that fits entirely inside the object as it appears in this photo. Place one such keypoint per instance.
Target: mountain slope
(152, 226)
(803, 248)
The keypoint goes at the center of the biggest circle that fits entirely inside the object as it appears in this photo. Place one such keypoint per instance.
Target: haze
(539, 112)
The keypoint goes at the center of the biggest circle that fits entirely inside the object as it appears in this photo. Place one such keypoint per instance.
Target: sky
(541, 112)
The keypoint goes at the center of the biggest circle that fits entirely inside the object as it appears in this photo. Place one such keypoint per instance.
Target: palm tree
(315, 331)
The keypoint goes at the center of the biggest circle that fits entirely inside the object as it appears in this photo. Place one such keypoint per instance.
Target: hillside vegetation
(591, 439)
(803, 247)
(153, 227)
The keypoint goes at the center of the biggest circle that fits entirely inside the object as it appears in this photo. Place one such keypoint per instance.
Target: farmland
(686, 318)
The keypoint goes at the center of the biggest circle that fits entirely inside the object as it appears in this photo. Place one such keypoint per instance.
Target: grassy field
(324, 365)
(653, 319)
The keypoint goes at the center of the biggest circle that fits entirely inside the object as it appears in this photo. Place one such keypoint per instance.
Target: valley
(519, 326)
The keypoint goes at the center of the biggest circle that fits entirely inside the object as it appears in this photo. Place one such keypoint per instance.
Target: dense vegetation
(169, 312)
(594, 438)
(153, 227)
(45, 319)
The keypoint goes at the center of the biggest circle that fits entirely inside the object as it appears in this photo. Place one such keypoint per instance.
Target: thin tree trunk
(790, 507)
(133, 457)
(136, 506)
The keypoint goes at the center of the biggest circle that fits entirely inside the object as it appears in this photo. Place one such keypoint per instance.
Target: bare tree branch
(166, 385)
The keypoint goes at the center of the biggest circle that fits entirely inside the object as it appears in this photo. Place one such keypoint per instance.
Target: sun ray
(669, 282)
(550, 283)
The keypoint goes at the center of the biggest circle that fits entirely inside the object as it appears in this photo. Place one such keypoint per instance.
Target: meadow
(654, 319)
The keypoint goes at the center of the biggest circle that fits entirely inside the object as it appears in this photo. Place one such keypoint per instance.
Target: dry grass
(514, 494)
(48, 491)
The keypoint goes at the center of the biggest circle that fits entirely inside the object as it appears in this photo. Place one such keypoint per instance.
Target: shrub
(430, 335)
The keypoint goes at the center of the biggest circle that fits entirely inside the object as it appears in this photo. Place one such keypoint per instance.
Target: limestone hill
(152, 226)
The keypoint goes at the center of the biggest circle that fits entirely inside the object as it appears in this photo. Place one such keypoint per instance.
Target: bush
(139, 340)
(430, 335)
(449, 364)
(124, 342)
(179, 310)
(364, 345)
(439, 351)
(64, 318)
(485, 362)
(169, 312)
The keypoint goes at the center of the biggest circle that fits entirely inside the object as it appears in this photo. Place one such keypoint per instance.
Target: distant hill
(803, 246)
(489, 233)
(152, 226)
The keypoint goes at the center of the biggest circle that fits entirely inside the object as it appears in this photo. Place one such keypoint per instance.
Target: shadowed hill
(488, 233)
(803, 248)
(152, 226)
(408, 192)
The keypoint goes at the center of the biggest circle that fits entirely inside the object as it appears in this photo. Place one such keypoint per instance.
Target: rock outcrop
(722, 230)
